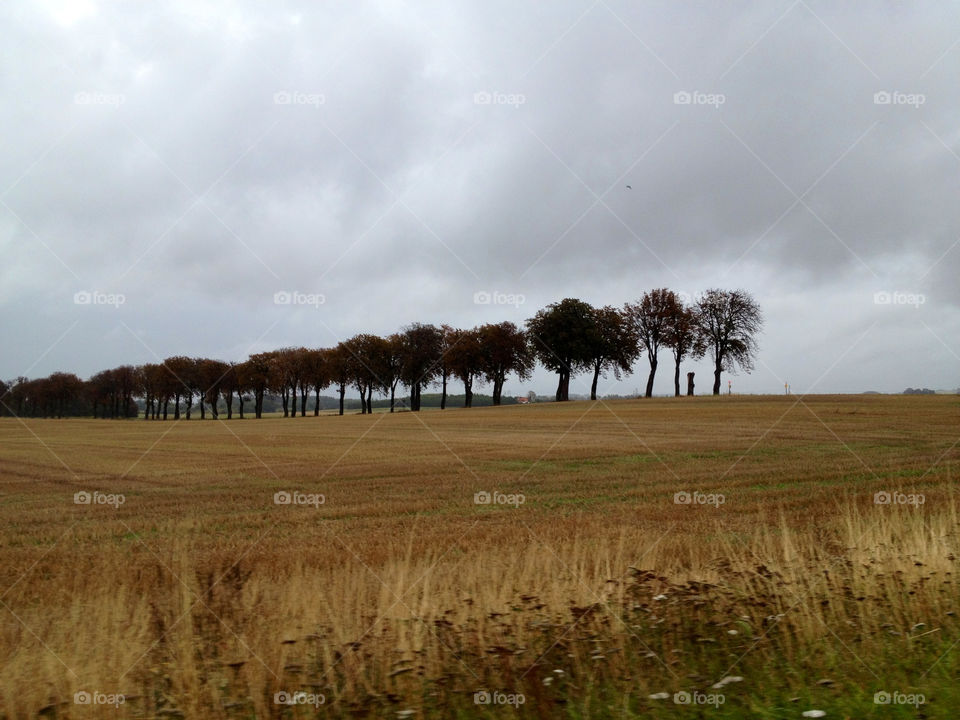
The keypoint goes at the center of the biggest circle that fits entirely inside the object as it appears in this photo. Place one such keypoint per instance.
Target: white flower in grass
(659, 696)
(814, 713)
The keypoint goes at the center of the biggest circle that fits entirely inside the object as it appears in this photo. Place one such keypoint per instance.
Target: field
(696, 557)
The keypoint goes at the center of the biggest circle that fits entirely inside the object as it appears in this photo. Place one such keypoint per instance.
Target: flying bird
(629, 188)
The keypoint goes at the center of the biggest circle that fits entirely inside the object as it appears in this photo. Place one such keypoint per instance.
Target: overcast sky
(396, 159)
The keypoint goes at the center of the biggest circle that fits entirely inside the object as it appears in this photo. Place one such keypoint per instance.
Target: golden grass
(200, 597)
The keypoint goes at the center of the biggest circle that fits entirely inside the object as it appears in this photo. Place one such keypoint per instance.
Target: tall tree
(614, 345)
(179, 370)
(650, 317)
(561, 337)
(366, 360)
(422, 354)
(729, 321)
(392, 368)
(448, 340)
(228, 386)
(318, 374)
(465, 359)
(683, 337)
(255, 376)
(339, 367)
(505, 351)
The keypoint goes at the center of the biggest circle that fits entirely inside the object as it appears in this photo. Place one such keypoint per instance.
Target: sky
(216, 179)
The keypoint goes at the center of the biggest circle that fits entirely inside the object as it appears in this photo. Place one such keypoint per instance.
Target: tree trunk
(443, 396)
(497, 387)
(316, 402)
(468, 392)
(716, 378)
(676, 380)
(393, 391)
(370, 401)
(596, 376)
(363, 400)
(203, 415)
(559, 395)
(653, 372)
(343, 390)
(293, 401)
(690, 384)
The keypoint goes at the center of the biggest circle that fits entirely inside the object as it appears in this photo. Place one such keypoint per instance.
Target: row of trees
(567, 337)
(571, 336)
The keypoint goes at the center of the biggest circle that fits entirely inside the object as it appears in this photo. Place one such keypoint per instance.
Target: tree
(560, 336)
(339, 368)
(392, 368)
(317, 373)
(729, 321)
(422, 353)
(366, 358)
(287, 373)
(449, 339)
(229, 385)
(683, 337)
(650, 317)
(212, 373)
(255, 375)
(614, 344)
(465, 359)
(505, 351)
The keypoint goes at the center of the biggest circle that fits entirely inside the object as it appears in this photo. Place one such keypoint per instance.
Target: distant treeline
(566, 337)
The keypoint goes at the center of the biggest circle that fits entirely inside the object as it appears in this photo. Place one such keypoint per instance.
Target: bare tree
(650, 317)
(729, 321)
(682, 336)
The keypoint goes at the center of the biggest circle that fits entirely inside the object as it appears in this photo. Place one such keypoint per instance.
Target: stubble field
(694, 557)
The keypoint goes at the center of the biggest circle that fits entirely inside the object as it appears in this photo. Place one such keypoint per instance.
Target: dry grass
(199, 597)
